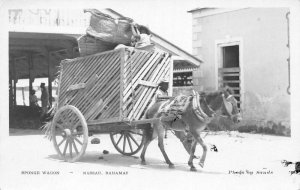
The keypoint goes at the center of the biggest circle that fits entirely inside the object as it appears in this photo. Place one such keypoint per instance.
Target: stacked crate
(115, 85)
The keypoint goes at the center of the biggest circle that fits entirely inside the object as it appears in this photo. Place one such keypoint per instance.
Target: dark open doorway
(229, 73)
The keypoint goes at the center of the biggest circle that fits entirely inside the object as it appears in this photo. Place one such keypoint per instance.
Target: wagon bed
(107, 92)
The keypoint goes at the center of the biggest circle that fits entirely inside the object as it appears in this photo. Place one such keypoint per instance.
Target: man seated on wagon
(162, 92)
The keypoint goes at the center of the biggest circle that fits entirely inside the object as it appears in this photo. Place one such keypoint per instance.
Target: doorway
(229, 69)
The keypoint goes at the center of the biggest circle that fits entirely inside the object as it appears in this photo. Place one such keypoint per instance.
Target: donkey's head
(230, 107)
(224, 101)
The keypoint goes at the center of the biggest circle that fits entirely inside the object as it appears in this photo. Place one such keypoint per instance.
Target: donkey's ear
(228, 90)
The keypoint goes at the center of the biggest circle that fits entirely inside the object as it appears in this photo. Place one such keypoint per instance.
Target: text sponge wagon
(104, 93)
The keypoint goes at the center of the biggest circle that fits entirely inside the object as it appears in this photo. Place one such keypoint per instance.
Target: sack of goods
(108, 29)
(89, 45)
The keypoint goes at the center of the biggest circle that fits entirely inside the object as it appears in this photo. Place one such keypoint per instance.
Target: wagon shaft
(113, 86)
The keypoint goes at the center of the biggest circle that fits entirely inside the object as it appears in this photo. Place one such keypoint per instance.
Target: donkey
(219, 101)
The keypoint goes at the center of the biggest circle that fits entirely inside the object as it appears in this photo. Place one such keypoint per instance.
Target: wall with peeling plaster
(264, 54)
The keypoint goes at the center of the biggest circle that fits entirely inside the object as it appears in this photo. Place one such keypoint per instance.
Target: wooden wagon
(108, 93)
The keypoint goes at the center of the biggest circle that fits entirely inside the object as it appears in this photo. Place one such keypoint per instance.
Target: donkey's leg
(192, 152)
(146, 143)
(200, 141)
(160, 132)
(149, 134)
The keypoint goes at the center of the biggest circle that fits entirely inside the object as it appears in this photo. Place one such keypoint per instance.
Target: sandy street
(243, 161)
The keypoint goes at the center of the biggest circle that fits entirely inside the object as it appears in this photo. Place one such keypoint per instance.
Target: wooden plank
(147, 83)
(229, 81)
(139, 113)
(90, 93)
(110, 90)
(122, 65)
(155, 77)
(229, 74)
(102, 94)
(69, 77)
(138, 58)
(107, 100)
(232, 69)
(141, 73)
(114, 104)
(76, 86)
(87, 65)
(103, 79)
(157, 72)
(73, 68)
(93, 109)
(103, 121)
(139, 91)
(146, 98)
(135, 88)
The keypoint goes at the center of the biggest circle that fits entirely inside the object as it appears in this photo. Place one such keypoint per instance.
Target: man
(33, 99)
(162, 92)
(44, 99)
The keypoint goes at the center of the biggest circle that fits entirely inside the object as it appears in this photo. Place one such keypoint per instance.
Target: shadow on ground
(118, 160)
(24, 132)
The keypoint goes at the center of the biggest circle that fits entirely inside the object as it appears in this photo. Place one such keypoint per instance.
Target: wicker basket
(89, 45)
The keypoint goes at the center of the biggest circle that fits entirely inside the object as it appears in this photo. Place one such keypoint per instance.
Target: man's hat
(42, 84)
(164, 81)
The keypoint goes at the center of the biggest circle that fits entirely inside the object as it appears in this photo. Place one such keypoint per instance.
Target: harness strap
(197, 108)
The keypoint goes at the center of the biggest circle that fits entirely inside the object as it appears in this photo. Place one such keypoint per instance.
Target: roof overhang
(206, 11)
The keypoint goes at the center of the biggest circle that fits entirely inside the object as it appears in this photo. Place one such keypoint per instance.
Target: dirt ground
(243, 161)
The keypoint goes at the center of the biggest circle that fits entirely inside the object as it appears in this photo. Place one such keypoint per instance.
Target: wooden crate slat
(112, 107)
(136, 64)
(89, 92)
(92, 62)
(100, 90)
(107, 100)
(80, 95)
(93, 109)
(141, 73)
(128, 101)
(148, 96)
(157, 72)
(112, 86)
(70, 76)
(74, 80)
(134, 82)
(147, 76)
(149, 93)
(109, 90)
(101, 76)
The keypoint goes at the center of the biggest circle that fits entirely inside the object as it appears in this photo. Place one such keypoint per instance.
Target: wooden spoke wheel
(69, 133)
(127, 142)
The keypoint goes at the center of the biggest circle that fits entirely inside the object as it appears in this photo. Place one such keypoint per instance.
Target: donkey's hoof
(143, 162)
(171, 166)
(201, 164)
(193, 169)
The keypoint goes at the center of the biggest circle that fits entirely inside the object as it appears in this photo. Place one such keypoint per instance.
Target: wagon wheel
(127, 142)
(69, 133)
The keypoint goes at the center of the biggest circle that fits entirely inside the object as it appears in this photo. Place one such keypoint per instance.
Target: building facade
(248, 50)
